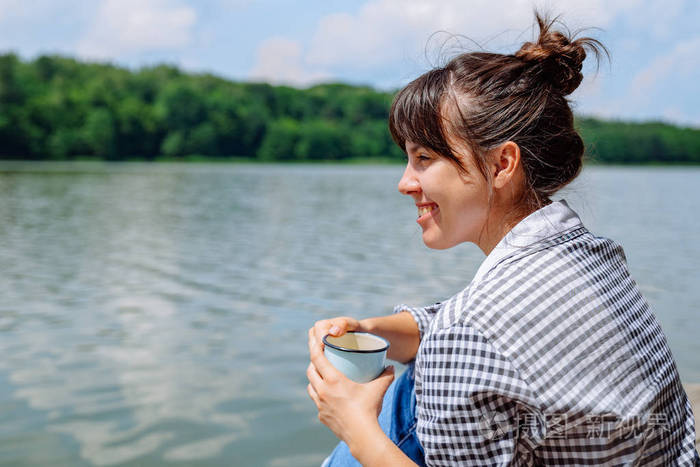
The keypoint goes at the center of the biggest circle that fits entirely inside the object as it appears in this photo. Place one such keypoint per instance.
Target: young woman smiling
(551, 355)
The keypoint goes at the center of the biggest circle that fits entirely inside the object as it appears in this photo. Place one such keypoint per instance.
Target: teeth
(425, 210)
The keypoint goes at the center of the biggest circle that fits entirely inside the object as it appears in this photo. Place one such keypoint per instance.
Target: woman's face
(452, 206)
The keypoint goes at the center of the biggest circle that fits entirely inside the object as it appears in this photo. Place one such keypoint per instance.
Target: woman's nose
(408, 183)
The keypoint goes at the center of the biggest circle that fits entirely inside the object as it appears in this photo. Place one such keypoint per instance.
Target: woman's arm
(374, 448)
(400, 329)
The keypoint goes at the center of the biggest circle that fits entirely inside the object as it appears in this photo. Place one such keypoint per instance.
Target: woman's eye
(423, 157)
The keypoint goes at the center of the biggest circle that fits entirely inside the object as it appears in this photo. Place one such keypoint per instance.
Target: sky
(653, 73)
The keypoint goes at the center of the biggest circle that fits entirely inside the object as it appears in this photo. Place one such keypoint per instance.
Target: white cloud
(390, 30)
(235, 4)
(386, 35)
(660, 90)
(9, 8)
(396, 34)
(131, 26)
(681, 62)
(279, 61)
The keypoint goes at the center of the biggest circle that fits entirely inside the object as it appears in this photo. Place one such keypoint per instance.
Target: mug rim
(345, 349)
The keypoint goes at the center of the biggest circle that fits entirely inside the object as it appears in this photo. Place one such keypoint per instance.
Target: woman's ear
(505, 164)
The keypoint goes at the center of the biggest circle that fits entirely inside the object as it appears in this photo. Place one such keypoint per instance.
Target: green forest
(58, 108)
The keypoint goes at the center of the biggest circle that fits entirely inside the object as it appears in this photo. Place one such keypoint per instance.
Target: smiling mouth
(423, 210)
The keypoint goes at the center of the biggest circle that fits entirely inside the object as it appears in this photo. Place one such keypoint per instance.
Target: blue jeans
(397, 419)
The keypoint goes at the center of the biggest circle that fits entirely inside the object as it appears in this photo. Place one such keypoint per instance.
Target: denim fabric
(397, 419)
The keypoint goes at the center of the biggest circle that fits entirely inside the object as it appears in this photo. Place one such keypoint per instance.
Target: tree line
(56, 107)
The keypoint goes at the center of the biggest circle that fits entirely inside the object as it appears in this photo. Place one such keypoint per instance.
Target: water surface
(157, 314)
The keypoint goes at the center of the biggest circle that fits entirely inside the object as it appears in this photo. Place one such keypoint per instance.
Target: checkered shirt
(551, 356)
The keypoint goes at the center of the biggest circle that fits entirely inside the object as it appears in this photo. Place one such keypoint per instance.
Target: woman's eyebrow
(413, 147)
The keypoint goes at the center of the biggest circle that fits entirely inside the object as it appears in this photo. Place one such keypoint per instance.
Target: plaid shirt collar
(546, 222)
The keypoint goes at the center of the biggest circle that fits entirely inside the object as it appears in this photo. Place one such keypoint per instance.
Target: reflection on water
(156, 314)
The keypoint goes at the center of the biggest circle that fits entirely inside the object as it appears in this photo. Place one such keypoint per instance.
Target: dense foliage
(58, 108)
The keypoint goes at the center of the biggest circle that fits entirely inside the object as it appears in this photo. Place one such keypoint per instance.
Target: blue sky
(655, 44)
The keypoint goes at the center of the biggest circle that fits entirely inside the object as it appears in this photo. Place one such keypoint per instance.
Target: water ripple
(157, 314)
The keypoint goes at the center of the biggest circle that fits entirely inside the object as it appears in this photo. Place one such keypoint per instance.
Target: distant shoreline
(62, 108)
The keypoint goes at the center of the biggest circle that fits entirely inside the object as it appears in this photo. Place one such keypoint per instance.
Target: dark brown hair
(485, 99)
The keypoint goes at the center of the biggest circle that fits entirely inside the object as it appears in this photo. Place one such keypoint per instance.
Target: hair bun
(560, 59)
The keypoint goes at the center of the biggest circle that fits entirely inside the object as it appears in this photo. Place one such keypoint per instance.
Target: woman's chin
(434, 242)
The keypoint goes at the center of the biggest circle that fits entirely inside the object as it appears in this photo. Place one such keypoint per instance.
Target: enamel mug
(358, 355)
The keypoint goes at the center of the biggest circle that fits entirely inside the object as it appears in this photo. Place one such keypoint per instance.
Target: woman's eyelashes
(417, 158)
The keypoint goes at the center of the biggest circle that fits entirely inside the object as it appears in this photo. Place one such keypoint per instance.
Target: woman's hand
(346, 407)
(335, 326)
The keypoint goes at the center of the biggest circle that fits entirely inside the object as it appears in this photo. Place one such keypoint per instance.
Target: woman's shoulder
(564, 305)
(576, 252)
(571, 263)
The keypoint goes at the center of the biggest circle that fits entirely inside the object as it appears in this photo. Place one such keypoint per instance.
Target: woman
(551, 355)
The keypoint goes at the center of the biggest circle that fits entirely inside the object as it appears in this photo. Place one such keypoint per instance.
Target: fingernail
(335, 330)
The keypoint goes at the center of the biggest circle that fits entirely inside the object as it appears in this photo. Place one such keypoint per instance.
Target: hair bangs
(415, 113)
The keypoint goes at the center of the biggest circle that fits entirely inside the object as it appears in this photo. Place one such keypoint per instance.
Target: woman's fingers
(315, 345)
(321, 328)
(313, 376)
(321, 363)
(340, 326)
(345, 324)
(312, 394)
(335, 326)
(383, 381)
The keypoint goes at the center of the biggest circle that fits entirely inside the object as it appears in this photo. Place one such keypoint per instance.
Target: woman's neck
(499, 223)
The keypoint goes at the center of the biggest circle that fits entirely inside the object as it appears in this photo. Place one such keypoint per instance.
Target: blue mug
(358, 355)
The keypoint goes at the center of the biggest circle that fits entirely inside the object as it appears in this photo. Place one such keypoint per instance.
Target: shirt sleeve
(422, 315)
(473, 403)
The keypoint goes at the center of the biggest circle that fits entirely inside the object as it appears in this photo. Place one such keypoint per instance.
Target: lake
(157, 314)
